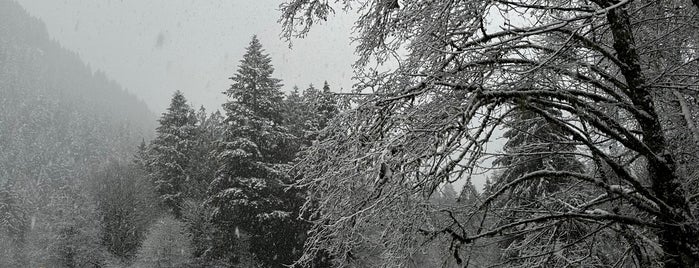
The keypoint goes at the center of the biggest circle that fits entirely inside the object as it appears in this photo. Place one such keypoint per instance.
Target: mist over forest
(445, 134)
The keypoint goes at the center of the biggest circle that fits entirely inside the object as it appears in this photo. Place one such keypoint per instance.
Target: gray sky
(155, 47)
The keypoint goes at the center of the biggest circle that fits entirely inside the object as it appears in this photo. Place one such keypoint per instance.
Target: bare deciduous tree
(600, 70)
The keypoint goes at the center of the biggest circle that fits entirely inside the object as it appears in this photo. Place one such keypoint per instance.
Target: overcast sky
(155, 47)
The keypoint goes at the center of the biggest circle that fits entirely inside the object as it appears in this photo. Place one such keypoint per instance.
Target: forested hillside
(53, 104)
(60, 121)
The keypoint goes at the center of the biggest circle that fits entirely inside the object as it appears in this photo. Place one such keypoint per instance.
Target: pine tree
(170, 153)
(530, 143)
(327, 106)
(311, 100)
(534, 144)
(248, 195)
(140, 158)
(204, 165)
(296, 112)
(310, 112)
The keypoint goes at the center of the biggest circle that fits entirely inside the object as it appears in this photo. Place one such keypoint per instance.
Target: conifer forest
(349, 133)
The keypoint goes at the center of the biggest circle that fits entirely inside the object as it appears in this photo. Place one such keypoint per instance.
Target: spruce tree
(328, 106)
(140, 158)
(296, 114)
(204, 165)
(534, 144)
(170, 152)
(310, 112)
(248, 195)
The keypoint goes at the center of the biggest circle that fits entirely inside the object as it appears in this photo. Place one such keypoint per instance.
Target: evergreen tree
(196, 214)
(295, 110)
(248, 195)
(310, 112)
(140, 158)
(534, 144)
(204, 165)
(170, 153)
(297, 113)
(327, 106)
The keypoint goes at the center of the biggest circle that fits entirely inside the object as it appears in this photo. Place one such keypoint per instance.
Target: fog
(154, 48)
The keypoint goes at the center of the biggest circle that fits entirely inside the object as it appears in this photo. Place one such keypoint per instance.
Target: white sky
(155, 47)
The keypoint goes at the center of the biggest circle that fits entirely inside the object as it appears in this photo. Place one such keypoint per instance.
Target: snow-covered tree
(248, 195)
(59, 120)
(296, 111)
(166, 245)
(310, 112)
(327, 106)
(140, 158)
(169, 155)
(203, 160)
(126, 205)
(533, 144)
(586, 67)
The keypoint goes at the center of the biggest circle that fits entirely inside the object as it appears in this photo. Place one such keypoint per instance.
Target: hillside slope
(53, 109)
(59, 123)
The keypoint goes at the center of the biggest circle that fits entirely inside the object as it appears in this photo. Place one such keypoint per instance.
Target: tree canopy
(248, 196)
(592, 69)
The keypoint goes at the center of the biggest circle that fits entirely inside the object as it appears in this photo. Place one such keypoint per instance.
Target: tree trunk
(677, 239)
(687, 115)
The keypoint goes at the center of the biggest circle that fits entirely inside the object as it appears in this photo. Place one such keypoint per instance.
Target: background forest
(594, 103)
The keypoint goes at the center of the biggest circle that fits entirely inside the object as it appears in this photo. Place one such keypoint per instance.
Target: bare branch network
(597, 101)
